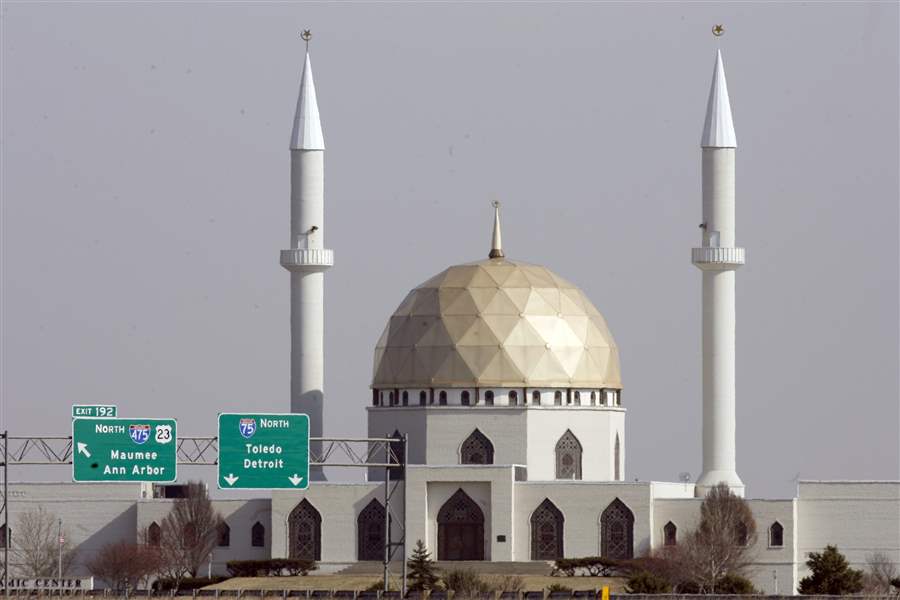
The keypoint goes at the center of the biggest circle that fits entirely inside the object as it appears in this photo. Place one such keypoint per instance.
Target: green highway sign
(263, 451)
(123, 449)
(94, 410)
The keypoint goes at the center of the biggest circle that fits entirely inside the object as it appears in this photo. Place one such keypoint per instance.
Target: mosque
(505, 379)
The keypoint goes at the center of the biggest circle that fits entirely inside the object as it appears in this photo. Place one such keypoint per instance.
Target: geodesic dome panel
(496, 323)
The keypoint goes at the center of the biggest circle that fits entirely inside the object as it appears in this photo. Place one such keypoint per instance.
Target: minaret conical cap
(496, 239)
(718, 130)
(307, 133)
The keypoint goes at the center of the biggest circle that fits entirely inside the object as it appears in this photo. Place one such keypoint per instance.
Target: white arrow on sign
(231, 479)
(295, 480)
(82, 449)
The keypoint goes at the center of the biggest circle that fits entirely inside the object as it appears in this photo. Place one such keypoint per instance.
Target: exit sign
(94, 410)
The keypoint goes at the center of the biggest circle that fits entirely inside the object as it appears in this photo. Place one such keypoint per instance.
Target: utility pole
(60, 540)
(6, 536)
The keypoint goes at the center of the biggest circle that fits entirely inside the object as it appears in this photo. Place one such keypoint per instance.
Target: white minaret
(307, 258)
(718, 258)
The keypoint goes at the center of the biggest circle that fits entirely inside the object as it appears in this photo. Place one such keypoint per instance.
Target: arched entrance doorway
(460, 529)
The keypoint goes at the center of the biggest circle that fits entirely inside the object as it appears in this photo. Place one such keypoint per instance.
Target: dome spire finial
(496, 240)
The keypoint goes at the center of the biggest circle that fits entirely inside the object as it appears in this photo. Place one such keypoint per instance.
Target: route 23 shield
(247, 427)
(139, 433)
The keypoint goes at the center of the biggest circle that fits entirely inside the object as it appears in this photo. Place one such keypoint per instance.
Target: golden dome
(496, 323)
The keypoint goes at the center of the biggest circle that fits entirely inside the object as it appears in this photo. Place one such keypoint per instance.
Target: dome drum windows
(489, 398)
(536, 398)
(423, 395)
(513, 398)
(465, 398)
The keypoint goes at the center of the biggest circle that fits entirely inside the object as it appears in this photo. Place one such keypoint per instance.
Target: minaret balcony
(712, 258)
(307, 258)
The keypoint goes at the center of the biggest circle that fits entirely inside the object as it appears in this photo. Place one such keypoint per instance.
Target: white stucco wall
(859, 517)
(93, 515)
(339, 505)
(240, 515)
(595, 428)
(767, 560)
(581, 503)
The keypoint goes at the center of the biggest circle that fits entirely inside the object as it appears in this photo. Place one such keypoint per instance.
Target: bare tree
(189, 532)
(125, 566)
(880, 572)
(37, 544)
(720, 546)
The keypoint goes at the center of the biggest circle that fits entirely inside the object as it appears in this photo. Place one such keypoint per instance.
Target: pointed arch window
(153, 534)
(568, 457)
(577, 398)
(393, 398)
(489, 398)
(305, 531)
(670, 534)
(258, 535)
(223, 535)
(776, 535)
(370, 537)
(464, 398)
(617, 474)
(557, 398)
(405, 398)
(547, 524)
(513, 398)
(442, 398)
(422, 397)
(617, 531)
(535, 397)
(477, 449)
(741, 534)
(593, 397)
(399, 456)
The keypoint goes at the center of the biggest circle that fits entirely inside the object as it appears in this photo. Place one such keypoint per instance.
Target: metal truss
(324, 452)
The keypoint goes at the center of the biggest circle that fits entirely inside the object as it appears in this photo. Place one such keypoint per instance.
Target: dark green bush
(167, 584)
(595, 566)
(645, 582)
(272, 567)
(831, 574)
(558, 587)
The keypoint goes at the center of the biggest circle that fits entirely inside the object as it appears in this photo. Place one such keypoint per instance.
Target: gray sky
(145, 197)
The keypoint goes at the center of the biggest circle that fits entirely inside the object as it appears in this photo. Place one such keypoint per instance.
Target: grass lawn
(360, 582)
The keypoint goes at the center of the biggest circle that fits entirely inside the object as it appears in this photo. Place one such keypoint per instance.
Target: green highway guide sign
(123, 449)
(93, 410)
(263, 451)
